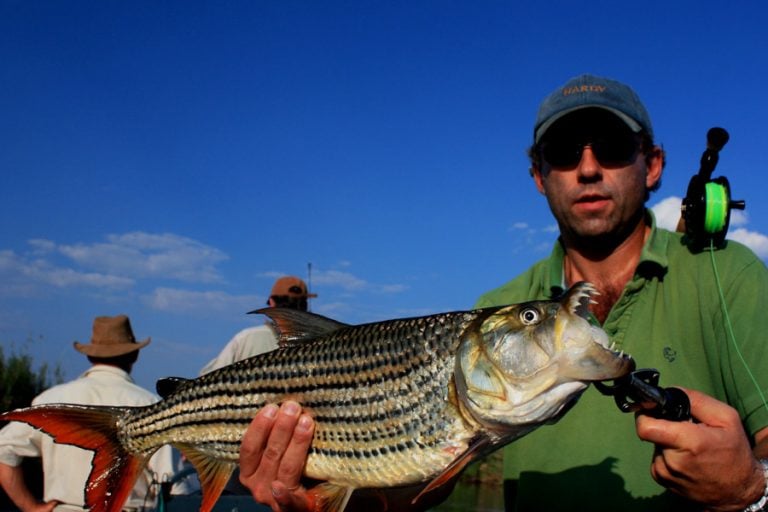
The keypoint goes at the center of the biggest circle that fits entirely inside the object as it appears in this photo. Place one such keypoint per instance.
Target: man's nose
(588, 166)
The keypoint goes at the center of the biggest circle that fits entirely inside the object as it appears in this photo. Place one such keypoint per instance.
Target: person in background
(698, 316)
(287, 292)
(112, 352)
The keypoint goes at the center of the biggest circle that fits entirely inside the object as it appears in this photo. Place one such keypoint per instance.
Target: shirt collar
(653, 258)
(106, 368)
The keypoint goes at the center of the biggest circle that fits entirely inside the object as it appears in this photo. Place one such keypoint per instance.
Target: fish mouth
(589, 353)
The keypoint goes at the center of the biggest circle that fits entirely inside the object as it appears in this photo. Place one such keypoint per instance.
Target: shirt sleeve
(19, 440)
(225, 357)
(746, 370)
(247, 343)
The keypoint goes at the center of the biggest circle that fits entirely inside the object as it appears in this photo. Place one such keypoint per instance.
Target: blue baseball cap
(589, 91)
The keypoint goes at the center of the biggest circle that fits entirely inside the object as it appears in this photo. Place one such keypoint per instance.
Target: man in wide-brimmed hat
(112, 351)
(112, 337)
(287, 292)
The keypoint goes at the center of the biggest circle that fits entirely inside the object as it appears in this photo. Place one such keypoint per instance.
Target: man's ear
(655, 167)
(537, 178)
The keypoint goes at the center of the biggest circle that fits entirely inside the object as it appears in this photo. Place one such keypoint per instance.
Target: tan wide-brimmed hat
(112, 336)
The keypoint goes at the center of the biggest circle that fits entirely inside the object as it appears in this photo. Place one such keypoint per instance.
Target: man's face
(595, 176)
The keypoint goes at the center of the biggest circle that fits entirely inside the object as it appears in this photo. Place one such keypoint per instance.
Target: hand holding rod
(639, 391)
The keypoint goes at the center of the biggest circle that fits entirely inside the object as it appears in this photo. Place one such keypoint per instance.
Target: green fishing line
(729, 328)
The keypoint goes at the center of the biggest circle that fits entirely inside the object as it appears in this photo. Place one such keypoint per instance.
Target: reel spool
(706, 208)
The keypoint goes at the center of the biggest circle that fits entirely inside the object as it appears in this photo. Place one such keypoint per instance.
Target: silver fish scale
(378, 393)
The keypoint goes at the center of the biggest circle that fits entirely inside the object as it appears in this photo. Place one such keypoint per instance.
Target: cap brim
(546, 125)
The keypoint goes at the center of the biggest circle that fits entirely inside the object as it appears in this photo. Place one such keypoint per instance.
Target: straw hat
(112, 336)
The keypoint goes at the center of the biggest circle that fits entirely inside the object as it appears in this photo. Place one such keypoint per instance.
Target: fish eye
(529, 316)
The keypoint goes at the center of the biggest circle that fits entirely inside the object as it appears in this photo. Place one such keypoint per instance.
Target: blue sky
(169, 159)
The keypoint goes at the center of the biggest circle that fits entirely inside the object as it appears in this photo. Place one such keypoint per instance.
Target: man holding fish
(698, 316)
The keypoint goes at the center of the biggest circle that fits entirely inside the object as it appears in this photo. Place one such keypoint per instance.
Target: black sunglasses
(611, 150)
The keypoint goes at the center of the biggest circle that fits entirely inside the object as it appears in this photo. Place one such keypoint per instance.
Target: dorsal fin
(168, 385)
(294, 327)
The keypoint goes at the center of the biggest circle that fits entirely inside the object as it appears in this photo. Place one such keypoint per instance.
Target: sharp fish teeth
(580, 296)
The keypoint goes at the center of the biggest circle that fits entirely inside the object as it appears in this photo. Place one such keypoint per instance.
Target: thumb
(711, 411)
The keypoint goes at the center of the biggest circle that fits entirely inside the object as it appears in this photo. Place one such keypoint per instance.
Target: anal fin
(213, 474)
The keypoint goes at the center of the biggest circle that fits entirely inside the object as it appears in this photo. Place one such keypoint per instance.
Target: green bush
(20, 383)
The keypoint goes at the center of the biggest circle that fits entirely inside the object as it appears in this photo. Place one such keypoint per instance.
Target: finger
(255, 439)
(665, 433)
(50, 505)
(279, 437)
(711, 411)
(661, 470)
(295, 456)
(713, 416)
(262, 449)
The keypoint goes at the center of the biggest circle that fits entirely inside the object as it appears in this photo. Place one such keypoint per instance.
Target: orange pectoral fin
(454, 469)
(213, 474)
(328, 497)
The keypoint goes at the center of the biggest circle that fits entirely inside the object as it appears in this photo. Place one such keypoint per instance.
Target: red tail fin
(114, 470)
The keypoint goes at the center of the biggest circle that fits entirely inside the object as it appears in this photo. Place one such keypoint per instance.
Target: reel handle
(717, 138)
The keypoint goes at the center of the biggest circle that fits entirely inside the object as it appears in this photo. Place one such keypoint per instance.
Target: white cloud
(41, 246)
(213, 301)
(738, 218)
(755, 241)
(344, 280)
(115, 264)
(24, 276)
(66, 277)
(393, 288)
(351, 283)
(530, 230)
(140, 254)
(335, 283)
(667, 212)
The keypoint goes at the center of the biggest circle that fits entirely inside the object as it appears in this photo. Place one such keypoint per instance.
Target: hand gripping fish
(407, 402)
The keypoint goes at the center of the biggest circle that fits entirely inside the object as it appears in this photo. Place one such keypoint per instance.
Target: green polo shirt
(669, 317)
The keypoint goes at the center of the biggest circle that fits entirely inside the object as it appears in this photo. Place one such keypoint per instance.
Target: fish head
(526, 364)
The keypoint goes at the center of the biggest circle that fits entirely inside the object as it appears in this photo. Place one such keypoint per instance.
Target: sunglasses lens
(616, 151)
(562, 153)
(610, 150)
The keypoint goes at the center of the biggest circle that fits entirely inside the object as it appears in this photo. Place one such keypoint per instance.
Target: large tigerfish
(399, 403)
